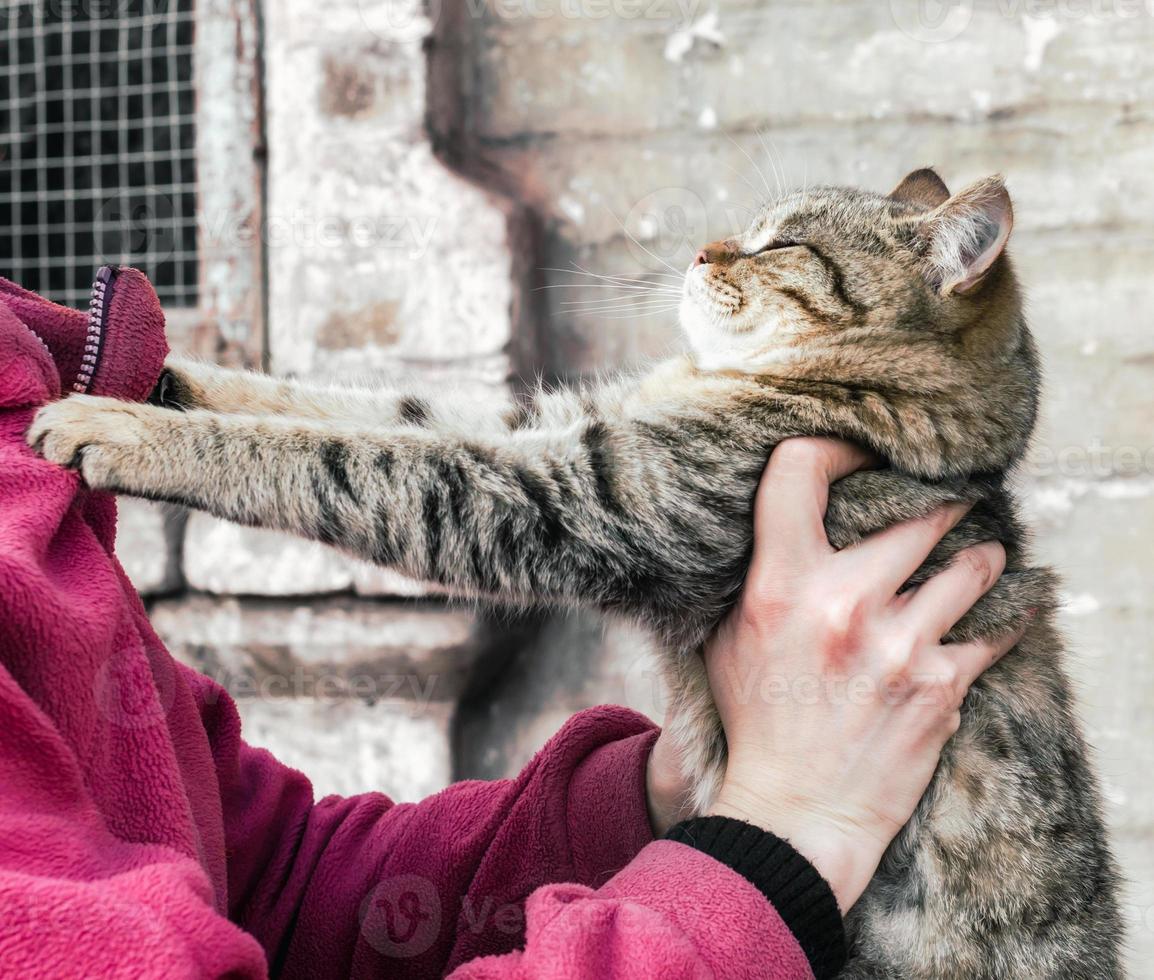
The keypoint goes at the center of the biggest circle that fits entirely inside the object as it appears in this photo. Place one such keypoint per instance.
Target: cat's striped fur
(892, 320)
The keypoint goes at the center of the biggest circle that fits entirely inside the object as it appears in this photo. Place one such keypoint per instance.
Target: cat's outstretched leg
(601, 514)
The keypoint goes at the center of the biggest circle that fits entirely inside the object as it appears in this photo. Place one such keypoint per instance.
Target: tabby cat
(892, 320)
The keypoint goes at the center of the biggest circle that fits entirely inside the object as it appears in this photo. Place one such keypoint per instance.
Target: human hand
(866, 693)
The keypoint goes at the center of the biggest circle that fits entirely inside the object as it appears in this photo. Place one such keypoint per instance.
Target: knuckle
(896, 665)
(900, 646)
(842, 617)
(978, 563)
(763, 599)
(800, 454)
(950, 673)
(761, 606)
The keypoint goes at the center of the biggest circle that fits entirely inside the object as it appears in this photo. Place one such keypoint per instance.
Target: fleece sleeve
(364, 887)
(674, 913)
(551, 874)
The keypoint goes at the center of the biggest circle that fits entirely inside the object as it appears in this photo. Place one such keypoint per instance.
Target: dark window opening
(97, 144)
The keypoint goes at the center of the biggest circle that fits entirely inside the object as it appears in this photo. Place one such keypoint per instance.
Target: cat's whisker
(740, 176)
(622, 314)
(781, 160)
(636, 302)
(638, 295)
(647, 283)
(623, 300)
(633, 316)
(628, 287)
(600, 314)
(760, 172)
(632, 238)
(636, 290)
(778, 173)
(679, 276)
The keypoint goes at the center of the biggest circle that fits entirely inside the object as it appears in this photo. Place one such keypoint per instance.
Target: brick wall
(427, 165)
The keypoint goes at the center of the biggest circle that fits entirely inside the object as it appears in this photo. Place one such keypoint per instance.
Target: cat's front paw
(100, 437)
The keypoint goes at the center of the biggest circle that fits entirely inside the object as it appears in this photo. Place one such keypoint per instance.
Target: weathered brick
(573, 662)
(379, 257)
(147, 543)
(333, 649)
(347, 747)
(225, 558)
(633, 75)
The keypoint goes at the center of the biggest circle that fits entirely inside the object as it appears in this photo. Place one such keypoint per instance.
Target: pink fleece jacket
(141, 837)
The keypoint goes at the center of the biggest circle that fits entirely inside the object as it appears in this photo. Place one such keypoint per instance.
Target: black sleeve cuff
(794, 888)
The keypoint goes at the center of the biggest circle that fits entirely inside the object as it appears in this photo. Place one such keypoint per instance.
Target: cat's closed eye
(779, 245)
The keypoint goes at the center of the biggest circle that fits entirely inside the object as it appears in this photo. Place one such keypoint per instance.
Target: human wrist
(789, 881)
(844, 855)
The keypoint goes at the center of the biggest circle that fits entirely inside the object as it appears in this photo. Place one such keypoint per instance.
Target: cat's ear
(921, 187)
(964, 237)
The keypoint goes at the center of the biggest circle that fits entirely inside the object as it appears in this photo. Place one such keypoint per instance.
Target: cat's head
(904, 304)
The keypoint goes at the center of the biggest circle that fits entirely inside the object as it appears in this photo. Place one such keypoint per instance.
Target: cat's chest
(678, 384)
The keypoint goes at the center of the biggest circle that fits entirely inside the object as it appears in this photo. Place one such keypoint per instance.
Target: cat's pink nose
(713, 252)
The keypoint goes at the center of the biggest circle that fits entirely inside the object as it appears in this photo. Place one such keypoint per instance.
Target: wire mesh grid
(97, 144)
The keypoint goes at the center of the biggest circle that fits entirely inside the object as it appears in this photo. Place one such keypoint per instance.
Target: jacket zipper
(97, 322)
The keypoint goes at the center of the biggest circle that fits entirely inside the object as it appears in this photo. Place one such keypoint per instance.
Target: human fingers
(941, 601)
(793, 494)
(888, 558)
